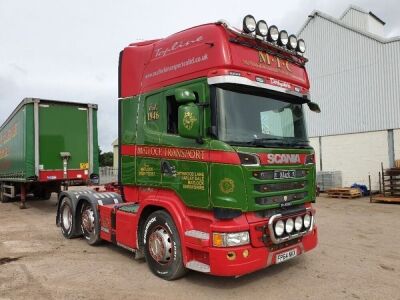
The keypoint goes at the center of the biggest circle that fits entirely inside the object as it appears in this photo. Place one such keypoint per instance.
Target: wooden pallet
(347, 193)
(381, 198)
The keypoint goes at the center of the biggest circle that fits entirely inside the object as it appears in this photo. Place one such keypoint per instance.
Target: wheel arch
(170, 202)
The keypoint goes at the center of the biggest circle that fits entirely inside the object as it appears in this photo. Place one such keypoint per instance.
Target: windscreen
(245, 118)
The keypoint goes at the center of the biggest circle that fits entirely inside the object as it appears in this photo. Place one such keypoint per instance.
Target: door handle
(167, 169)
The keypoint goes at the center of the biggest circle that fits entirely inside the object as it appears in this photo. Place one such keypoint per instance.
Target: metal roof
(342, 24)
(359, 9)
(39, 100)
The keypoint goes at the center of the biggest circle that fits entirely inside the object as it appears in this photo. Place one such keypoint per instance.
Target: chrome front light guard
(288, 237)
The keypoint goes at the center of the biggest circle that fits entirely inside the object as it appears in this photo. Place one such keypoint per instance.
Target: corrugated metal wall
(355, 19)
(354, 78)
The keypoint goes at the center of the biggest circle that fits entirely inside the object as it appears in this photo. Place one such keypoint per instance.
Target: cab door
(149, 151)
(166, 160)
(185, 167)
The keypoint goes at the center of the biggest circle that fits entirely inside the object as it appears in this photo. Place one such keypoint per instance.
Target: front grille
(274, 247)
(275, 187)
(284, 211)
(280, 199)
(268, 175)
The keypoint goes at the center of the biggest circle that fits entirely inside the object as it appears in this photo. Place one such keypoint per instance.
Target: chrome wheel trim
(67, 217)
(88, 219)
(160, 245)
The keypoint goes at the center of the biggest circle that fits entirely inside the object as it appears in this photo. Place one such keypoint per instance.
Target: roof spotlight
(273, 33)
(249, 24)
(292, 45)
(283, 38)
(301, 46)
(262, 28)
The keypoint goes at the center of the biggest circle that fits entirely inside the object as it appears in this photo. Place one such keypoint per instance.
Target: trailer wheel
(66, 216)
(90, 223)
(4, 199)
(46, 196)
(162, 246)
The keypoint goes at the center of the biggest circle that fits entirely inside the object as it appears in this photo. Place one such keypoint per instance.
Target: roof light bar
(249, 24)
(262, 28)
(301, 46)
(277, 39)
(273, 34)
(283, 38)
(292, 45)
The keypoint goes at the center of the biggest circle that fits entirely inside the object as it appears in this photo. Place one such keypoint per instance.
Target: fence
(108, 174)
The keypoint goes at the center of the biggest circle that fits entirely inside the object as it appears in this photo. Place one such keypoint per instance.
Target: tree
(106, 159)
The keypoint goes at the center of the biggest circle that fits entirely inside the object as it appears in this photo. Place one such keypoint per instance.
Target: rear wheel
(66, 220)
(90, 223)
(162, 246)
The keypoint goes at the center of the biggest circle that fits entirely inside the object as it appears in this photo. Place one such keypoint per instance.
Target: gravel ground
(357, 257)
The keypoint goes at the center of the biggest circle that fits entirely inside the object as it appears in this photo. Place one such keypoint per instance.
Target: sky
(68, 50)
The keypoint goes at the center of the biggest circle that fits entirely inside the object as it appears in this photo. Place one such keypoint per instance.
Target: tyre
(46, 195)
(4, 199)
(67, 220)
(90, 223)
(162, 246)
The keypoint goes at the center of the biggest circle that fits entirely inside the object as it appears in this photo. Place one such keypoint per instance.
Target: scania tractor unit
(216, 173)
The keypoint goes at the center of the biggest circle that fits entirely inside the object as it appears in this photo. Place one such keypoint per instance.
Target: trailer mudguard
(78, 197)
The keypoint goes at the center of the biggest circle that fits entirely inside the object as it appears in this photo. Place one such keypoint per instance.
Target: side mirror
(183, 95)
(189, 121)
(314, 107)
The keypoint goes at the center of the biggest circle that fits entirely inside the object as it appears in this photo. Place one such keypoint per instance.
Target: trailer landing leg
(23, 197)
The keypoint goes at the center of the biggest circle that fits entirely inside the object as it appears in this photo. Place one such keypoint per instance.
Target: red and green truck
(47, 143)
(216, 173)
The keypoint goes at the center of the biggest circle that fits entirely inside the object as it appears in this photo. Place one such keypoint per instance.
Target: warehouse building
(354, 72)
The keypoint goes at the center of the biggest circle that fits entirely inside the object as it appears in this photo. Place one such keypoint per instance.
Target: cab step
(198, 266)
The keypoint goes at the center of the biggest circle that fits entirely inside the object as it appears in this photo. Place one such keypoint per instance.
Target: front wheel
(162, 246)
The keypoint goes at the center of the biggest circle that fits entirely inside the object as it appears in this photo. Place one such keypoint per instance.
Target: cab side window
(172, 115)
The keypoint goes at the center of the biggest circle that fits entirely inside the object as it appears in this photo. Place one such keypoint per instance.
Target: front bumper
(248, 258)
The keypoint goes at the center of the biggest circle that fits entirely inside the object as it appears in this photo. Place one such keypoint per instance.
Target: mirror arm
(203, 104)
(200, 140)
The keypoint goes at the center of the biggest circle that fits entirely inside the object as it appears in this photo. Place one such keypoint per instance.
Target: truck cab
(215, 162)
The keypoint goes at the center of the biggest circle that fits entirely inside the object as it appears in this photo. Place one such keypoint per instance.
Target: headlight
(262, 28)
(298, 223)
(292, 45)
(230, 239)
(289, 225)
(307, 220)
(273, 33)
(249, 24)
(279, 228)
(301, 46)
(283, 38)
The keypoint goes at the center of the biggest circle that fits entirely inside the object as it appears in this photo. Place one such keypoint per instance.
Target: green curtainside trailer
(45, 144)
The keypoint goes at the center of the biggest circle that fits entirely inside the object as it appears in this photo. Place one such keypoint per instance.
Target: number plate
(284, 174)
(286, 256)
